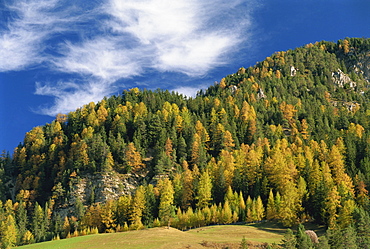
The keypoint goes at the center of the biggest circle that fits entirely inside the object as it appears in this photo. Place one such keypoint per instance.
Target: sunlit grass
(169, 238)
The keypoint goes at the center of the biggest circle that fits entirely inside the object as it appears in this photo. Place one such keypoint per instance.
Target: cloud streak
(186, 36)
(118, 40)
(70, 95)
(20, 44)
(31, 24)
(102, 58)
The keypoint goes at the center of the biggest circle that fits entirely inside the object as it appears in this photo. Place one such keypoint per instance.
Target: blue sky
(56, 55)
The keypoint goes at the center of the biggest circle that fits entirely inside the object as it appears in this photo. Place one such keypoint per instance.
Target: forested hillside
(285, 140)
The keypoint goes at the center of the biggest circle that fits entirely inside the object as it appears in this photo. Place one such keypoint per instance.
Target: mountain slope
(287, 140)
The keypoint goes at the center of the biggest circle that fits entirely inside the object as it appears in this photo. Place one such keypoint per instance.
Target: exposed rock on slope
(341, 79)
(99, 187)
(363, 66)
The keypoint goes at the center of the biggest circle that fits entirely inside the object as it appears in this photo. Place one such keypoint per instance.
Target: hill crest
(263, 143)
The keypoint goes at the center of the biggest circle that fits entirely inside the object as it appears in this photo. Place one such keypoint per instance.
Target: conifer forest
(287, 140)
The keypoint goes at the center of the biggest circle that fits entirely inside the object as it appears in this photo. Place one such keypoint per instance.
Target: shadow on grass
(268, 226)
(277, 228)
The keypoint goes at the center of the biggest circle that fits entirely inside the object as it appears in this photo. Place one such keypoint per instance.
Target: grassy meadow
(161, 237)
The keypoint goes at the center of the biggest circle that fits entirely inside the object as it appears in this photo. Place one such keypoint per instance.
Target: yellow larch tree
(271, 213)
(187, 186)
(166, 208)
(107, 216)
(288, 111)
(102, 114)
(331, 206)
(280, 167)
(140, 110)
(137, 207)
(228, 141)
(340, 177)
(204, 190)
(8, 232)
(202, 132)
(133, 159)
(291, 205)
(248, 161)
(304, 129)
(228, 162)
(247, 112)
(168, 148)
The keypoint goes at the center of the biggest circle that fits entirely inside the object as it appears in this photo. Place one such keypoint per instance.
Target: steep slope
(291, 133)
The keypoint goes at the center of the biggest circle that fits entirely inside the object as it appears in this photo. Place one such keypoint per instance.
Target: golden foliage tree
(166, 208)
(331, 206)
(271, 213)
(204, 191)
(188, 187)
(340, 177)
(227, 162)
(133, 159)
(8, 232)
(280, 166)
(137, 207)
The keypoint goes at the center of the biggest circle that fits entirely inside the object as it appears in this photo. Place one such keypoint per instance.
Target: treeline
(156, 206)
(283, 138)
(353, 236)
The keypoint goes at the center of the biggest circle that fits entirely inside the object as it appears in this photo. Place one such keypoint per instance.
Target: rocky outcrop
(99, 187)
(260, 94)
(293, 71)
(340, 79)
(362, 66)
(104, 186)
(233, 89)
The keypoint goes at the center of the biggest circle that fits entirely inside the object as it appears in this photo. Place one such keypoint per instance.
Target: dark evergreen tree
(57, 225)
(151, 206)
(22, 220)
(362, 225)
(349, 238)
(323, 243)
(303, 240)
(79, 208)
(289, 240)
(38, 224)
(181, 149)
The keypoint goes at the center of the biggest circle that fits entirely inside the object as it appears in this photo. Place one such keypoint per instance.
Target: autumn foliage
(298, 152)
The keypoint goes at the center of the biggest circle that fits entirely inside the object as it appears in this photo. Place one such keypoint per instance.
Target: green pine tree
(38, 224)
(303, 240)
(289, 241)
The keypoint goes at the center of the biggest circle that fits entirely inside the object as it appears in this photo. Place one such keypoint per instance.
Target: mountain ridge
(293, 129)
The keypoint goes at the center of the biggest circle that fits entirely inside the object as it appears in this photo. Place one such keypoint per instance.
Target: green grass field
(162, 237)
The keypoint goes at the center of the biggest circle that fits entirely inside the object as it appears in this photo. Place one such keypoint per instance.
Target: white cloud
(15, 55)
(188, 90)
(153, 20)
(71, 95)
(187, 36)
(194, 56)
(21, 42)
(102, 57)
(117, 40)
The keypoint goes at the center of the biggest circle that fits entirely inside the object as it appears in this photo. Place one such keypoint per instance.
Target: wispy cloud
(102, 57)
(22, 39)
(70, 95)
(186, 36)
(188, 90)
(116, 40)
